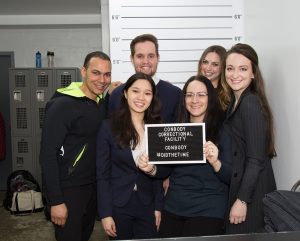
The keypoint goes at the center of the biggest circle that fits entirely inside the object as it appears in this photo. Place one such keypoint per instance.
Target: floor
(33, 227)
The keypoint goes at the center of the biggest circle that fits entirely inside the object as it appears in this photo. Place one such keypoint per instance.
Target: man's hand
(59, 214)
(114, 85)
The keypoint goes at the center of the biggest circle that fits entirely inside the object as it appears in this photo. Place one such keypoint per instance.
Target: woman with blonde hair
(210, 66)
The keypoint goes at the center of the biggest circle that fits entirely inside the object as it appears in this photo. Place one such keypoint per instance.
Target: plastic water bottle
(50, 58)
(38, 60)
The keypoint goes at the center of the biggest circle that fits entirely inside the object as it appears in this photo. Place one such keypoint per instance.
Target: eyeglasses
(190, 95)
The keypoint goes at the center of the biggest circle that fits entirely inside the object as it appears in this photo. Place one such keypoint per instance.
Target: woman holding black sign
(129, 201)
(196, 201)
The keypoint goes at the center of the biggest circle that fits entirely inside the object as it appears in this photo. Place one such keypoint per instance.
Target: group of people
(93, 150)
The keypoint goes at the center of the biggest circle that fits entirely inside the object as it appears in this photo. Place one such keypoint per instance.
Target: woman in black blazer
(129, 201)
(250, 124)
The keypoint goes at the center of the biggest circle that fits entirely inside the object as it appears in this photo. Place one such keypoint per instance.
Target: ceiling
(49, 7)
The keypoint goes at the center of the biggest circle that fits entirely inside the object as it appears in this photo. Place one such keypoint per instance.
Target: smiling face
(196, 101)
(238, 73)
(96, 77)
(139, 96)
(145, 58)
(211, 68)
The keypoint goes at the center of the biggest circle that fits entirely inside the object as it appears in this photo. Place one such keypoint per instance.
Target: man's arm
(53, 135)
(115, 99)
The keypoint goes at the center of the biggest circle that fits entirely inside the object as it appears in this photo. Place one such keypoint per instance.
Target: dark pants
(135, 220)
(82, 208)
(177, 226)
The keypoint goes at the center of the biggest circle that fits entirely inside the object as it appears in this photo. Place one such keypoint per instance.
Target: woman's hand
(143, 163)
(157, 219)
(211, 153)
(109, 226)
(238, 212)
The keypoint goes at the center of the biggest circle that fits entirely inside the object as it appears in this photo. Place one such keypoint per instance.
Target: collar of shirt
(155, 79)
(98, 98)
(74, 90)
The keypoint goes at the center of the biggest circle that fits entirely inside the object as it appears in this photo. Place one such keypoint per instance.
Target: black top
(68, 145)
(195, 189)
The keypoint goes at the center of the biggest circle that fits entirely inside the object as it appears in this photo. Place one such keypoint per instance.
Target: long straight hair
(221, 52)
(122, 126)
(218, 49)
(256, 87)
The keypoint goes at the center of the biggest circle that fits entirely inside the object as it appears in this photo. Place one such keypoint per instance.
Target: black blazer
(117, 175)
(252, 173)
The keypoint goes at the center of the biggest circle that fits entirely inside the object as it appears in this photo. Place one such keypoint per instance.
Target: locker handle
(17, 95)
(40, 95)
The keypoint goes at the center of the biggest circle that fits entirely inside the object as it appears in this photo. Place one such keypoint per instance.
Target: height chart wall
(184, 28)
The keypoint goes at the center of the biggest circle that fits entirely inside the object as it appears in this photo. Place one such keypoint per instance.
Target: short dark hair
(96, 54)
(143, 38)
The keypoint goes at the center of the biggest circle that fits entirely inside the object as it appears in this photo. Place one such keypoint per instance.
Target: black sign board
(175, 143)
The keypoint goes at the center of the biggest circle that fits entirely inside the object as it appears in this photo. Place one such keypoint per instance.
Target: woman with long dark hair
(129, 201)
(250, 123)
(196, 200)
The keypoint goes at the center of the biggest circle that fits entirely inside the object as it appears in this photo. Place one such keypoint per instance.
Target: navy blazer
(117, 175)
(169, 96)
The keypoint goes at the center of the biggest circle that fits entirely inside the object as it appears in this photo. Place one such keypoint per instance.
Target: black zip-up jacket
(68, 145)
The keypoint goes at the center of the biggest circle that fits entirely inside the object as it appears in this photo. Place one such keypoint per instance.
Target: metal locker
(22, 155)
(37, 161)
(64, 77)
(30, 90)
(20, 101)
(42, 88)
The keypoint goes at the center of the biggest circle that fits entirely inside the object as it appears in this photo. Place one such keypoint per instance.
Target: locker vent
(43, 80)
(20, 80)
(20, 161)
(65, 79)
(41, 116)
(21, 118)
(22, 146)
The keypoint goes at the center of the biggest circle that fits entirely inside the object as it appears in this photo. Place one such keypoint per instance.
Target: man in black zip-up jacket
(68, 149)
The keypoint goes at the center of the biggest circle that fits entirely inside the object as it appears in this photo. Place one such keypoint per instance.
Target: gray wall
(271, 27)
(70, 45)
